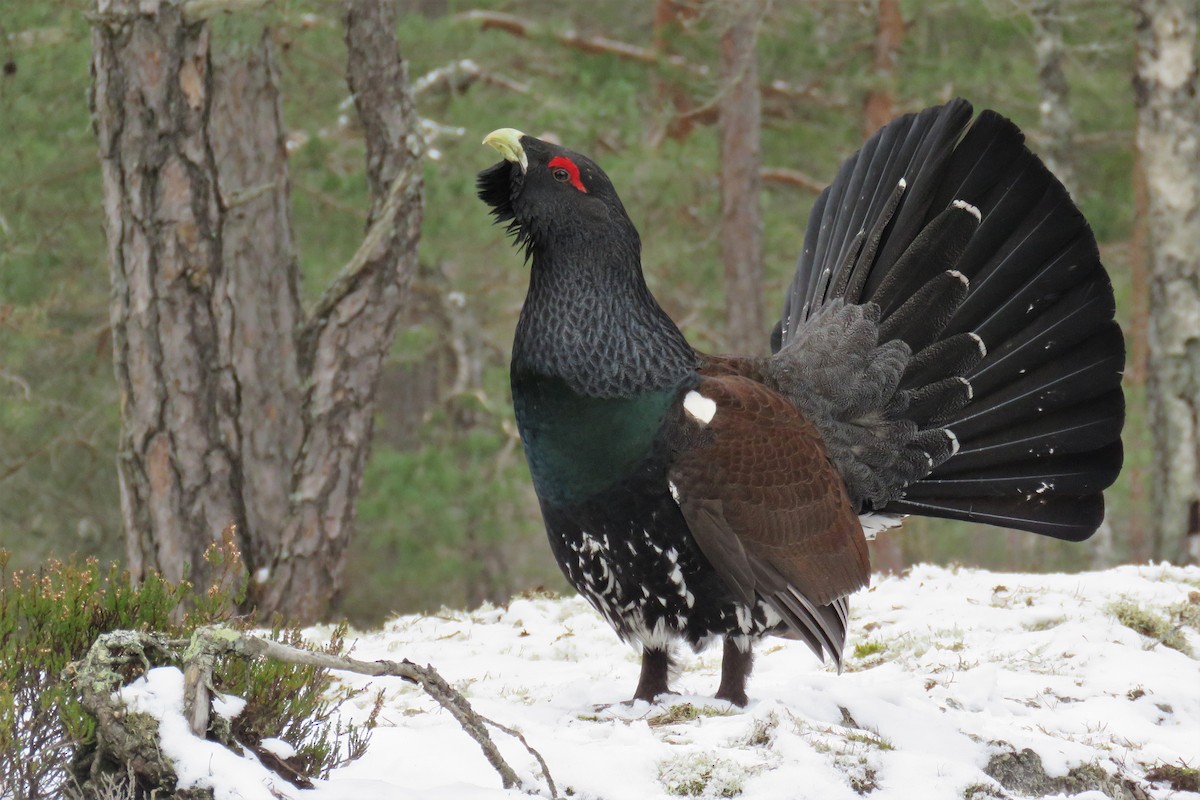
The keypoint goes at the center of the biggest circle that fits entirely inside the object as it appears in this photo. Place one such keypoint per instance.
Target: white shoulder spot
(699, 407)
(674, 491)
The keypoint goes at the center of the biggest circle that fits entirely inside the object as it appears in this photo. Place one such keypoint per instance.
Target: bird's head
(547, 193)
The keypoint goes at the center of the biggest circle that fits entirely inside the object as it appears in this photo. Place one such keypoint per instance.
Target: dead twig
(791, 177)
(458, 76)
(99, 674)
(602, 45)
(212, 641)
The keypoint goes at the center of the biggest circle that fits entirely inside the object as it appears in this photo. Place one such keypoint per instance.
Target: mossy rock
(1022, 772)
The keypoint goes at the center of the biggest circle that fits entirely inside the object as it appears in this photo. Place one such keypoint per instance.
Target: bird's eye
(565, 170)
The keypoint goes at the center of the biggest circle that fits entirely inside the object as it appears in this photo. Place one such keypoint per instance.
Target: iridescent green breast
(578, 446)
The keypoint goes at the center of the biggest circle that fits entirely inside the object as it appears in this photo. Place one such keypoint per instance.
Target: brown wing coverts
(768, 508)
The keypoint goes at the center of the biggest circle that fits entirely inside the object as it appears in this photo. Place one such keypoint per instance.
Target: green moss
(1179, 777)
(703, 775)
(686, 712)
(1151, 625)
(868, 648)
(869, 738)
(1187, 612)
(1044, 624)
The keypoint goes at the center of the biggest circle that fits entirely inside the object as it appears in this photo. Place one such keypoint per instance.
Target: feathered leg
(735, 669)
(656, 672)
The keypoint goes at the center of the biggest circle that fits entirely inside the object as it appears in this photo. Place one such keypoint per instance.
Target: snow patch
(227, 706)
(941, 665)
(278, 747)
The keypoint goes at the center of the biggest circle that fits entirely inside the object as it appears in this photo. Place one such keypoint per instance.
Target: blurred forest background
(447, 514)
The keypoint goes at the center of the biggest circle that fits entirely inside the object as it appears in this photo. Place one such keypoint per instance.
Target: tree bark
(179, 472)
(879, 107)
(235, 410)
(741, 212)
(1166, 95)
(1057, 126)
(256, 298)
(344, 343)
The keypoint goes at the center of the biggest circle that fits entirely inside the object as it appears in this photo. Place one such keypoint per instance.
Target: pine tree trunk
(344, 343)
(235, 409)
(178, 461)
(1166, 93)
(741, 211)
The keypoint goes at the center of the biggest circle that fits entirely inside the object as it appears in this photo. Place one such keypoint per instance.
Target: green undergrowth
(1180, 777)
(1167, 627)
(705, 774)
(51, 617)
(686, 712)
(866, 649)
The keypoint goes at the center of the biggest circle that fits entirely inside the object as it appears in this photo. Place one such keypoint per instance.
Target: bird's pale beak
(508, 142)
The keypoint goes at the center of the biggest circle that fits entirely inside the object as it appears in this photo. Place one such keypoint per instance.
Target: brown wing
(767, 508)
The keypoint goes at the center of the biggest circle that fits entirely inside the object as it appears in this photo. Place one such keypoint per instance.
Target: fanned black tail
(978, 260)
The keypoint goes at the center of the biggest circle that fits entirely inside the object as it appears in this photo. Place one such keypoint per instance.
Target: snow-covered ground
(946, 669)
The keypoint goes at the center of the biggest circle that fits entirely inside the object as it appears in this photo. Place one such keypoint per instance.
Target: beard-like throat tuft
(498, 186)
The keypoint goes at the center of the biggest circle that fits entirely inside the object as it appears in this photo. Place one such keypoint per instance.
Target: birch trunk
(1057, 127)
(1166, 93)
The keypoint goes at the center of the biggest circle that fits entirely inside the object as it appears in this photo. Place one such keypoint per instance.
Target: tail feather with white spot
(982, 378)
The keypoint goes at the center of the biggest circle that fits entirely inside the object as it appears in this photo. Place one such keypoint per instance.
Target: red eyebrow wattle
(572, 170)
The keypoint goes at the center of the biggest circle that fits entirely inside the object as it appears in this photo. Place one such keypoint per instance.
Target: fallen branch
(120, 737)
(601, 45)
(457, 76)
(199, 10)
(598, 45)
(99, 674)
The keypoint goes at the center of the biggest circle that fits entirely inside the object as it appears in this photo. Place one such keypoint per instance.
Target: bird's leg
(735, 669)
(656, 668)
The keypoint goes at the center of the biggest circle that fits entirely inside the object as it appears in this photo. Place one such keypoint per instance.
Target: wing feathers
(768, 509)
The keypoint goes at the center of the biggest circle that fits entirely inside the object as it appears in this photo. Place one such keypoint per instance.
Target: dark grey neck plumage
(590, 320)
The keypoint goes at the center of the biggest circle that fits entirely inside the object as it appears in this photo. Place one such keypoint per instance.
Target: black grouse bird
(947, 348)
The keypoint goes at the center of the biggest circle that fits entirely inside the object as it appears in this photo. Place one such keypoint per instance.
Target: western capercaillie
(947, 348)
